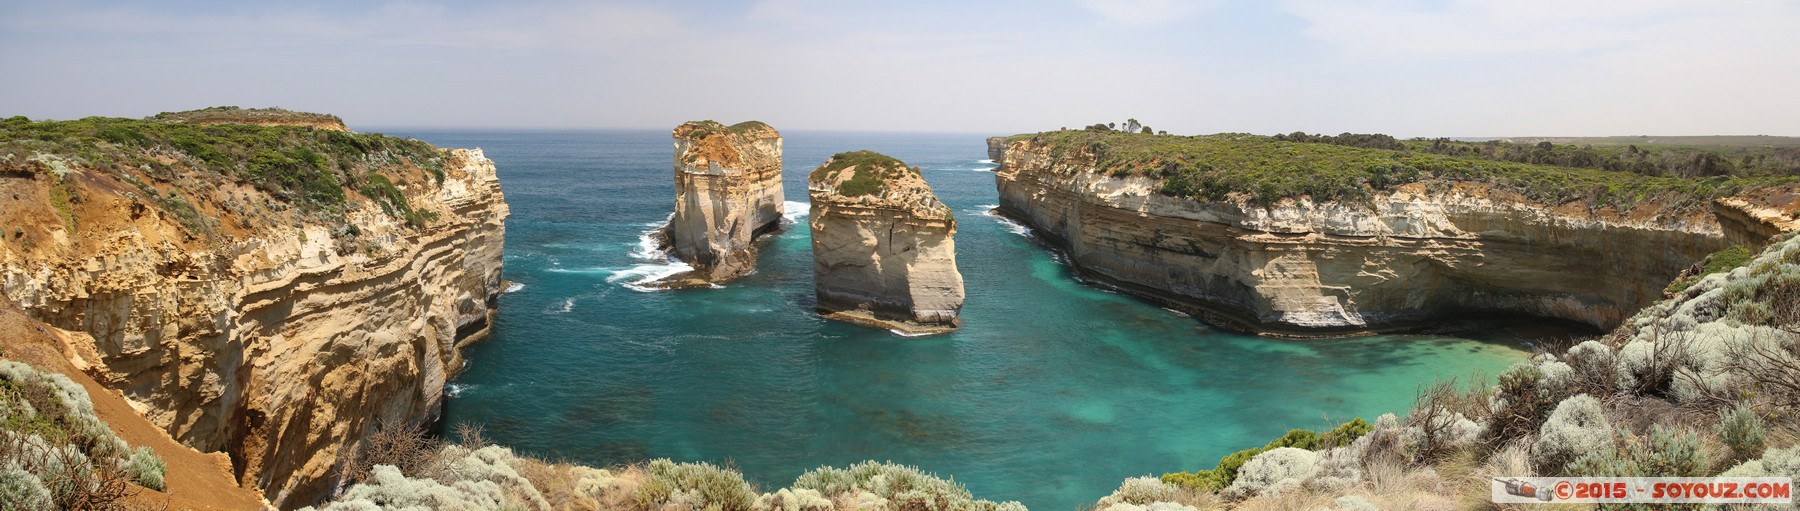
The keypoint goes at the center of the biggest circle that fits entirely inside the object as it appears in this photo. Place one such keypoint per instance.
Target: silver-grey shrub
(1578, 426)
(1741, 429)
(22, 491)
(1272, 472)
(698, 486)
(145, 469)
(900, 486)
(387, 488)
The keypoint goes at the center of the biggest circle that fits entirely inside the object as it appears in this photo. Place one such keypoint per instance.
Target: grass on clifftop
(308, 168)
(1212, 167)
(701, 129)
(873, 170)
(232, 114)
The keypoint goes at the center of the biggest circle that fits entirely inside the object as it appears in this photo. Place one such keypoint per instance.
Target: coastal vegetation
(873, 170)
(236, 115)
(1702, 384)
(700, 129)
(402, 468)
(55, 453)
(311, 170)
(1349, 167)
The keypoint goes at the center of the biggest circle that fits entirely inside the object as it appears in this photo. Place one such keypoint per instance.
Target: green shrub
(308, 168)
(1520, 402)
(1741, 429)
(1298, 438)
(1671, 452)
(1222, 475)
(1344, 434)
(1666, 452)
(872, 171)
(1716, 262)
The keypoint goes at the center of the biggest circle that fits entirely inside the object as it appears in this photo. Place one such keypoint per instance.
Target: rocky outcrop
(1418, 252)
(1752, 221)
(238, 322)
(997, 150)
(884, 247)
(727, 192)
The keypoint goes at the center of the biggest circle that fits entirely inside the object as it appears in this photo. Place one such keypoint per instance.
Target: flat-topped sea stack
(727, 192)
(884, 247)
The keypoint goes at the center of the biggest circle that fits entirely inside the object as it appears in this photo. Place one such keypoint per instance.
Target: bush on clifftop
(1269, 169)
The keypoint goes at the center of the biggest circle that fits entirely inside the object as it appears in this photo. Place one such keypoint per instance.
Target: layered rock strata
(996, 150)
(727, 193)
(278, 337)
(884, 246)
(1415, 253)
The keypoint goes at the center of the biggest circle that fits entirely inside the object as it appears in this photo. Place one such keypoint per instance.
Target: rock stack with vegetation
(884, 247)
(727, 192)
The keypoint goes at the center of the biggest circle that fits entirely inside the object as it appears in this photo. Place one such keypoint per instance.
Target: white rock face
(887, 257)
(727, 192)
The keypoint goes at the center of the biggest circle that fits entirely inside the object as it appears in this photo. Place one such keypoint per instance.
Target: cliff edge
(271, 292)
(1313, 239)
(884, 247)
(727, 192)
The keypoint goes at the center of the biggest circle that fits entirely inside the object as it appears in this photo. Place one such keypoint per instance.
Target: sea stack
(884, 248)
(727, 192)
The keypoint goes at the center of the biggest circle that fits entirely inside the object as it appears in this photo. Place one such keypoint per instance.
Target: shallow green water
(1051, 394)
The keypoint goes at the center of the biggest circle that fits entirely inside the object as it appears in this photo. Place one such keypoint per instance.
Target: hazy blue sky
(1409, 68)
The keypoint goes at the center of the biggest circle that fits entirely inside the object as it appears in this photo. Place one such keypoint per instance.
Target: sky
(1402, 67)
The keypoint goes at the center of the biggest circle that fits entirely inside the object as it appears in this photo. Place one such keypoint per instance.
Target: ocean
(1051, 393)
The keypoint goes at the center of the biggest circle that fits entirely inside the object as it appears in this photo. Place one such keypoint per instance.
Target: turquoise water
(1051, 393)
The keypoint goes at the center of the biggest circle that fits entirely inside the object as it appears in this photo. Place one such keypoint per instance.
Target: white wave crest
(456, 389)
(648, 242)
(514, 287)
(567, 305)
(989, 169)
(1009, 224)
(987, 162)
(792, 212)
(635, 277)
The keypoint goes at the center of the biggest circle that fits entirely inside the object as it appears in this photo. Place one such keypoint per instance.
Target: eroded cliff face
(280, 338)
(997, 150)
(727, 192)
(1420, 252)
(884, 247)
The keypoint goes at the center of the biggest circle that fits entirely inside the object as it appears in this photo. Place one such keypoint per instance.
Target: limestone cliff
(884, 247)
(996, 150)
(727, 192)
(269, 292)
(1414, 252)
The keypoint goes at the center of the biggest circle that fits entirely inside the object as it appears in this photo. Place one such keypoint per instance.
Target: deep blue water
(1051, 393)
